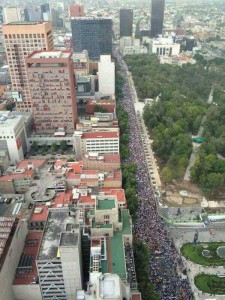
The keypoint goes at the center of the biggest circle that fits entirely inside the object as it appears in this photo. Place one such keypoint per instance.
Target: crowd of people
(165, 263)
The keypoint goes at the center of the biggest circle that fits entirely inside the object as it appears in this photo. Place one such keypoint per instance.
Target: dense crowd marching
(165, 263)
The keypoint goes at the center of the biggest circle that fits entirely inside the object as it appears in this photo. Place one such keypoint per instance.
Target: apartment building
(52, 90)
(100, 142)
(20, 40)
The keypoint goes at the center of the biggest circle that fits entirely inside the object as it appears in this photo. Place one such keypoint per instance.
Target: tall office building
(92, 34)
(76, 10)
(157, 17)
(21, 39)
(106, 69)
(1, 15)
(52, 89)
(126, 22)
(11, 14)
(33, 13)
(46, 13)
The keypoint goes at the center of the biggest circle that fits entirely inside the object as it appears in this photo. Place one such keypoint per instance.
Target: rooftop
(16, 176)
(50, 54)
(100, 135)
(68, 239)
(31, 246)
(55, 225)
(37, 163)
(105, 204)
(117, 254)
(9, 120)
(25, 23)
(126, 221)
(40, 213)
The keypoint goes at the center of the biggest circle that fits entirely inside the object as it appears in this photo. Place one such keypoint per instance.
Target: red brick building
(108, 104)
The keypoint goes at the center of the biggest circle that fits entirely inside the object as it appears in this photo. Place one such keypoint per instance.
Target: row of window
(22, 36)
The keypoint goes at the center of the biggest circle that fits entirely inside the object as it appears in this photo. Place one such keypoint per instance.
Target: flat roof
(126, 221)
(68, 239)
(118, 257)
(105, 204)
(100, 135)
(40, 213)
(55, 225)
(28, 23)
(37, 163)
(50, 54)
(31, 246)
(9, 120)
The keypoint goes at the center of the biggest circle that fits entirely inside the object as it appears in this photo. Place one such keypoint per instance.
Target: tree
(63, 145)
(54, 147)
(101, 109)
(35, 146)
(213, 182)
(167, 175)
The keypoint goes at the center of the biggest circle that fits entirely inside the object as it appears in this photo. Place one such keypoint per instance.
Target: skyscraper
(157, 17)
(33, 13)
(21, 39)
(11, 14)
(52, 90)
(126, 22)
(92, 34)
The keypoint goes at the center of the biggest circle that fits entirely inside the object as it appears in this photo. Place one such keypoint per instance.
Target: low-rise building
(17, 182)
(105, 162)
(164, 46)
(108, 105)
(132, 50)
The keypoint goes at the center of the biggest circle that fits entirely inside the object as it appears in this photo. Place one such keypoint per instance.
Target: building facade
(21, 39)
(59, 262)
(157, 17)
(14, 131)
(52, 89)
(11, 14)
(92, 34)
(97, 142)
(76, 10)
(126, 22)
(33, 13)
(106, 76)
(164, 47)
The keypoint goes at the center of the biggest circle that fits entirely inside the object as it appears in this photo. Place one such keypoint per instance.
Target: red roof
(42, 216)
(111, 158)
(86, 199)
(117, 192)
(31, 247)
(36, 162)
(100, 135)
(62, 199)
(16, 176)
(136, 296)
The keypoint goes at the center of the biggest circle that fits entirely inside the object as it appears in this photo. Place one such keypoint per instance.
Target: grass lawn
(211, 284)
(195, 253)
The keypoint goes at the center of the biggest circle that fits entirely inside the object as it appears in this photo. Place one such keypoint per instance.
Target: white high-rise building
(11, 14)
(106, 76)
